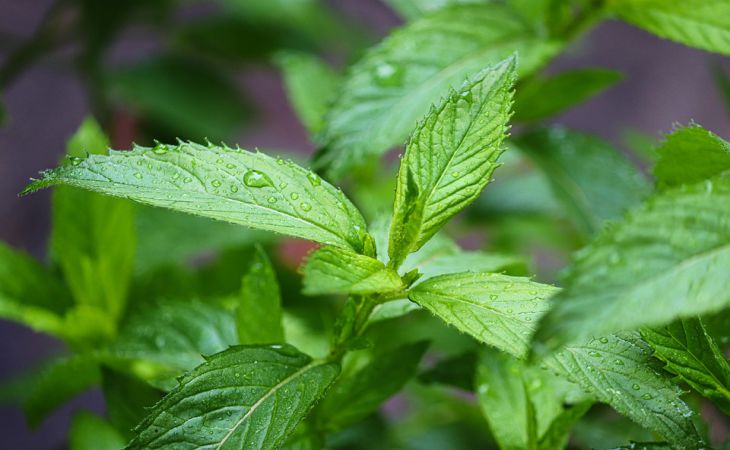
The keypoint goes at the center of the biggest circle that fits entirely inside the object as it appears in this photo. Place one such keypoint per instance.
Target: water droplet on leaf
(255, 179)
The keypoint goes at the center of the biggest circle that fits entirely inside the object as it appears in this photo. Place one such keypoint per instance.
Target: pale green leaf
(691, 354)
(617, 370)
(396, 82)
(30, 294)
(666, 259)
(93, 237)
(703, 24)
(413, 9)
(331, 270)
(310, 84)
(592, 179)
(222, 183)
(358, 394)
(244, 397)
(496, 309)
(450, 158)
(689, 155)
(163, 340)
(541, 98)
(259, 313)
(90, 432)
(526, 405)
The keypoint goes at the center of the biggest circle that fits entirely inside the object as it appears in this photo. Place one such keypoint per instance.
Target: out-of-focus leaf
(413, 9)
(541, 98)
(244, 397)
(127, 400)
(458, 371)
(163, 340)
(190, 98)
(667, 259)
(691, 354)
(57, 382)
(331, 270)
(702, 24)
(450, 158)
(357, 394)
(393, 85)
(722, 80)
(90, 432)
(310, 84)
(93, 237)
(258, 313)
(594, 182)
(689, 155)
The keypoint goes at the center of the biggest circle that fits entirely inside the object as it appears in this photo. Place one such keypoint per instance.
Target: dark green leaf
(544, 97)
(187, 97)
(393, 86)
(689, 155)
(331, 270)
(450, 158)
(310, 85)
(360, 393)
(691, 354)
(667, 259)
(457, 371)
(703, 24)
(127, 400)
(259, 314)
(594, 182)
(244, 397)
(722, 80)
(227, 184)
(90, 432)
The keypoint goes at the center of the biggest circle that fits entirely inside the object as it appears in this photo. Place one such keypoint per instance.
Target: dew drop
(305, 206)
(137, 175)
(594, 354)
(604, 340)
(647, 396)
(187, 180)
(618, 362)
(159, 148)
(294, 195)
(466, 95)
(255, 179)
(216, 183)
(314, 179)
(234, 188)
(455, 174)
(388, 75)
(635, 387)
(283, 185)
(230, 166)
(75, 160)
(272, 199)
(493, 297)
(175, 176)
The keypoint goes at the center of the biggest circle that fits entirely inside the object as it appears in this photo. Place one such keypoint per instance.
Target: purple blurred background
(664, 84)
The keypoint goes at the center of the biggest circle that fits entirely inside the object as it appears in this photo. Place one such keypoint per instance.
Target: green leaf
(450, 158)
(90, 432)
(722, 81)
(457, 371)
(703, 24)
(185, 96)
(358, 394)
(331, 270)
(310, 84)
(165, 339)
(689, 155)
(465, 261)
(163, 238)
(526, 406)
(496, 309)
(667, 259)
(541, 98)
(30, 294)
(690, 353)
(127, 400)
(93, 237)
(593, 180)
(259, 313)
(227, 184)
(617, 370)
(57, 382)
(413, 9)
(396, 82)
(244, 397)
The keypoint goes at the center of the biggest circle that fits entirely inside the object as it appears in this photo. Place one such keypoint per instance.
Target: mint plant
(229, 355)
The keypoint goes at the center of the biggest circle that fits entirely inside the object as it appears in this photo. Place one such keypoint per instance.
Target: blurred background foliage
(183, 79)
